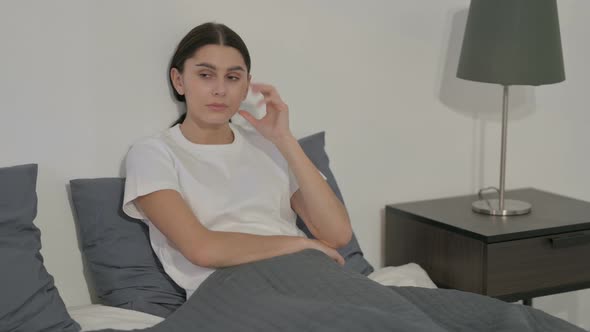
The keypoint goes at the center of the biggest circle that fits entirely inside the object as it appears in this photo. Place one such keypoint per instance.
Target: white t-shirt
(244, 186)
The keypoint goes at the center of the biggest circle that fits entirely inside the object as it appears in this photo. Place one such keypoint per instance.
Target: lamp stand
(502, 207)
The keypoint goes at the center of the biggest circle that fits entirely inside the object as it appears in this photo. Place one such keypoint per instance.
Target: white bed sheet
(96, 316)
(410, 274)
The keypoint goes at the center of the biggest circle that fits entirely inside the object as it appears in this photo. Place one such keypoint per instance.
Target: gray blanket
(307, 291)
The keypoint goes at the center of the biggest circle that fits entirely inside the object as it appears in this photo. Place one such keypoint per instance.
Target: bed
(97, 316)
(301, 291)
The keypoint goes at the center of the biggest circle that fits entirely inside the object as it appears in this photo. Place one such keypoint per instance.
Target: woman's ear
(176, 78)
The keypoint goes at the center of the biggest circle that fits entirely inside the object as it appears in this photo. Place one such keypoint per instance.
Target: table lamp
(510, 42)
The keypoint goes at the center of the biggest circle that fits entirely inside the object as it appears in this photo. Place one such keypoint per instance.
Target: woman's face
(214, 83)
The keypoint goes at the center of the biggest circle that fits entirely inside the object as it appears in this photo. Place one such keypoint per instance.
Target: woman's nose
(219, 88)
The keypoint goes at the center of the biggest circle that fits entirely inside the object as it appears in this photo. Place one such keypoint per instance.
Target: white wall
(81, 80)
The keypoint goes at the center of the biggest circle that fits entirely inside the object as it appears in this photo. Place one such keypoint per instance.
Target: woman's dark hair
(205, 34)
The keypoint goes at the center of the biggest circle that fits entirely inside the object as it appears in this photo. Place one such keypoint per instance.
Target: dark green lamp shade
(512, 42)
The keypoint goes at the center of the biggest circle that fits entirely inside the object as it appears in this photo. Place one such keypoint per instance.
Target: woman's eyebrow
(212, 67)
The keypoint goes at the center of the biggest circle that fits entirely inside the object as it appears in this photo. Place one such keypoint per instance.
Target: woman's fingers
(264, 101)
(273, 101)
(265, 89)
(339, 258)
(331, 252)
(270, 94)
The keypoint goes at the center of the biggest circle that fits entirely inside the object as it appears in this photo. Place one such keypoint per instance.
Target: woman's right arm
(169, 212)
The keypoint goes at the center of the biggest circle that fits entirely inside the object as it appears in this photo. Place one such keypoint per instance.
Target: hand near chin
(274, 126)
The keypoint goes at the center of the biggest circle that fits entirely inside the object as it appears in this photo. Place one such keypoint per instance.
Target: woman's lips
(217, 107)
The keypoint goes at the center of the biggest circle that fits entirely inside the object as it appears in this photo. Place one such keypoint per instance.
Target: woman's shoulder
(152, 144)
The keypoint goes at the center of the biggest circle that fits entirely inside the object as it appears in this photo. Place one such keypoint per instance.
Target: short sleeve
(293, 185)
(149, 167)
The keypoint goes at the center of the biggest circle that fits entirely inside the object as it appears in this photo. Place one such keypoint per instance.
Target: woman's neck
(221, 134)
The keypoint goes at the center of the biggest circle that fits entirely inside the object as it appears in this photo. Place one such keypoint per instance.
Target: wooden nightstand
(510, 258)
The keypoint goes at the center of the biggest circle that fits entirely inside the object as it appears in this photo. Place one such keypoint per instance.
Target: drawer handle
(571, 240)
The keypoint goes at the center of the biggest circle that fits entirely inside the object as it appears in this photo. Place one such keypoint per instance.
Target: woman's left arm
(314, 201)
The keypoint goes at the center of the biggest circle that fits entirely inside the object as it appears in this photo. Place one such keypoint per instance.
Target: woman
(215, 194)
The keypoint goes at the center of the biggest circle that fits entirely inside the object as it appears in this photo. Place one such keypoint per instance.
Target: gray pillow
(124, 270)
(29, 300)
(314, 147)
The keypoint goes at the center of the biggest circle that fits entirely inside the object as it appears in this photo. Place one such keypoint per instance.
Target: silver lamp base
(492, 207)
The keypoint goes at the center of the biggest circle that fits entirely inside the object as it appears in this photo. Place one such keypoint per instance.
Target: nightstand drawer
(538, 263)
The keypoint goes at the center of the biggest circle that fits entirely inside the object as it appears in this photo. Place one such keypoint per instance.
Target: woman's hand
(331, 252)
(274, 126)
